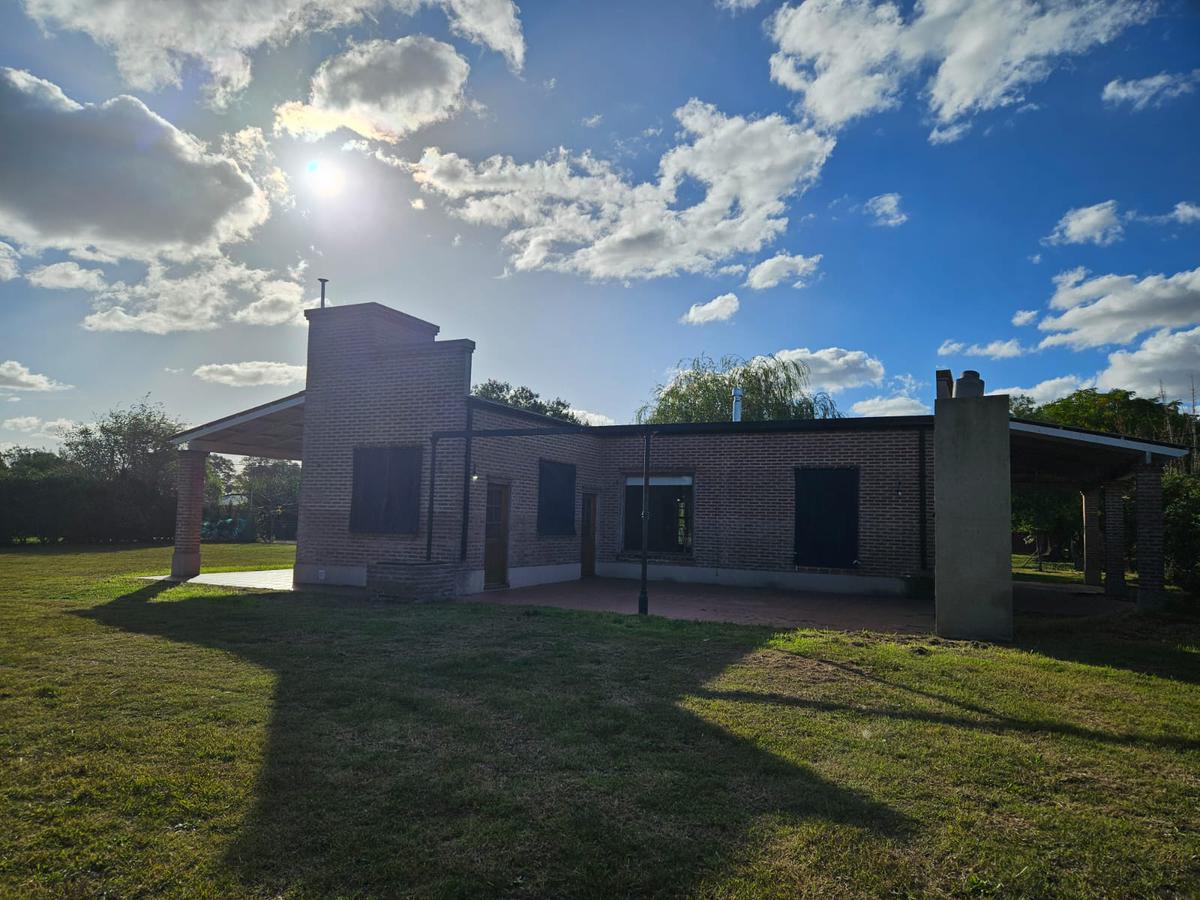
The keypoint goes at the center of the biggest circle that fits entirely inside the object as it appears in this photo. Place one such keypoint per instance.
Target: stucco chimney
(969, 385)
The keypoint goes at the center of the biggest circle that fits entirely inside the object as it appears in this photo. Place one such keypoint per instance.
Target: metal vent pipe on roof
(323, 281)
(737, 404)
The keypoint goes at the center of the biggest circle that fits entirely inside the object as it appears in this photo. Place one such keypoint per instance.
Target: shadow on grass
(1165, 645)
(471, 749)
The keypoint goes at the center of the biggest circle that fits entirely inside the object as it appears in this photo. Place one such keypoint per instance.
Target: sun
(326, 179)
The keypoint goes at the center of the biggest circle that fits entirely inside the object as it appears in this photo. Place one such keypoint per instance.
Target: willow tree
(772, 388)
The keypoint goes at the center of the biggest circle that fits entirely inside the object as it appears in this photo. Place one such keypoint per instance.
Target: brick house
(412, 487)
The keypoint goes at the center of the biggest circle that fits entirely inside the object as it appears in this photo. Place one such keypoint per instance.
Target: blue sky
(595, 191)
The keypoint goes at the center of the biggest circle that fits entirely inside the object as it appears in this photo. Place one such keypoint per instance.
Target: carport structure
(274, 430)
(1104, 468)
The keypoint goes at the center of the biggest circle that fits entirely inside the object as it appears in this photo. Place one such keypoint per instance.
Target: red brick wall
(371, 382)
(514, 461)
(744, 494)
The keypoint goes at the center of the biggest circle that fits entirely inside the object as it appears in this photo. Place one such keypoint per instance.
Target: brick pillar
(1148, 510)
(1093, 539)
(1114, 540)
(189, 512)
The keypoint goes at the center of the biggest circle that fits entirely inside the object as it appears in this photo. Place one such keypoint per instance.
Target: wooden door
(587, 531)
(495, 537)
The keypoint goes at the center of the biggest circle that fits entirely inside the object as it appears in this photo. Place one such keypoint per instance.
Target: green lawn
(190, 741)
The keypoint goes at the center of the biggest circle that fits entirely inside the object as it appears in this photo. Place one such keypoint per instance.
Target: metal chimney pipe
(323, 281)
(737, 404)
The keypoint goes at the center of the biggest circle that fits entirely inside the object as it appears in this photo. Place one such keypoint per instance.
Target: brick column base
(189, 513)
(1148, 501)
(1114, 540)
(1093, 538)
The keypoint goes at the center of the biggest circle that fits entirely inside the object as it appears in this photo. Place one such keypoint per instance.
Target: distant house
(412, 485)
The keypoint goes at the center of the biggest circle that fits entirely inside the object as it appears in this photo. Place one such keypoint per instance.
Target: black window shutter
(386, 492)
(556, 498)
(826, 518)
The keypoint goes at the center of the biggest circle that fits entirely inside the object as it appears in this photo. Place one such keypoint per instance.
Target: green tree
(772, 388)
(128, 443)
(272, 489)
(1116, 411)
(523, 397)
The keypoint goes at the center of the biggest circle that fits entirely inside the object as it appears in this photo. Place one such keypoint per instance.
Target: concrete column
(189, 512)
(1114, 540)
(1093, 538)
(1148, 510)
(972, 501)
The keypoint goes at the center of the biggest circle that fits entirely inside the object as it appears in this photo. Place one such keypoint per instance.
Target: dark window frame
(630, 512)
(391, 502)
(553, 522)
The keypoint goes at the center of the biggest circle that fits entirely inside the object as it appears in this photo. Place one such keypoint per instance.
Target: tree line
(114, 482)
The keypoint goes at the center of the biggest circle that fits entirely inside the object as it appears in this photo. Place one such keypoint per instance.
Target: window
(670, 514)
(556, 498)
(386, 496)
(827, 518)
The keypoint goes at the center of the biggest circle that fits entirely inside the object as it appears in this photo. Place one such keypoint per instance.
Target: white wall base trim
(315, 573)
(524, 576)
(791, 581)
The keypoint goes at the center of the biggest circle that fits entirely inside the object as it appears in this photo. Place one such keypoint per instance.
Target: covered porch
(1103, 469)
(273, 430)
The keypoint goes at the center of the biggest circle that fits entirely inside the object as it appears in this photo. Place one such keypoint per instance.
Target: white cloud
(897, 405)
(154, 41)
(1185, 213)
(1050, 389)
(113, 178)
(380, 90)
(250, 374)
(886, 210)
(10, 262)
(592, 418)
(1115, 309)
(417, 202)
(279, 302)
(36, 428)
(67, 276)
(1099, 224)
(948, 134)
(1170, 360)
(196, 298)
(1024, 317)
(16, 377)
(592, 121)
(770, 272)
(737, 5)
(834, 369)
(994, 350)
(1153, 91)
(719, 309)
(580, 214)
(848, 58)
(251, 150)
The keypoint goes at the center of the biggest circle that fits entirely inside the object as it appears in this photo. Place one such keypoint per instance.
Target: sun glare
(326, 179)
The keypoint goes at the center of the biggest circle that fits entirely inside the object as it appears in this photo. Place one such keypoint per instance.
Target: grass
(190, 741)
(1025, 568)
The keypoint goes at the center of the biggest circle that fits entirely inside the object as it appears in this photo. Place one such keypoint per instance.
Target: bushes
(69, 505)
(1181, 502)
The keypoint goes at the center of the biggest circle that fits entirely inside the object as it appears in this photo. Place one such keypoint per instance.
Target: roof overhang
(1048, 454)
(274, 430)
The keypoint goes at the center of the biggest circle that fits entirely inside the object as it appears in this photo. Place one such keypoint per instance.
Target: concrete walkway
(721, 603)
(261, 580)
